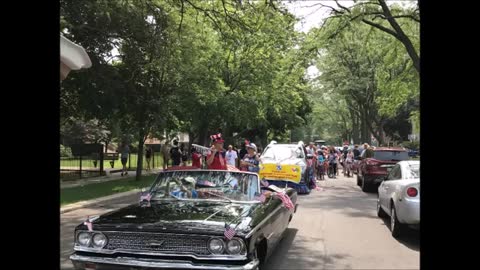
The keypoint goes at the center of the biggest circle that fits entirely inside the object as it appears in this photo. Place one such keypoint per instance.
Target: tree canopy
(240, 67)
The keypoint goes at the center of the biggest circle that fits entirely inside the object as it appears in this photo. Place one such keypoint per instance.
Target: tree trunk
(363, 127)
(354, 131)
(141, 141)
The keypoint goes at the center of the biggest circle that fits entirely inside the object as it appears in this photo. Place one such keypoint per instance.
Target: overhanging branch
(383, 28)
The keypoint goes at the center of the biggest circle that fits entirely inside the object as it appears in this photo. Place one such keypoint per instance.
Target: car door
(385, 189)
(392, 185)
(275, 224)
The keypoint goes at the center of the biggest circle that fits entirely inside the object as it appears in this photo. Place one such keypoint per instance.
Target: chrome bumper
(79, 261)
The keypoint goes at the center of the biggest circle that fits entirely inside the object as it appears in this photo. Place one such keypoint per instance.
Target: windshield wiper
(220, 196)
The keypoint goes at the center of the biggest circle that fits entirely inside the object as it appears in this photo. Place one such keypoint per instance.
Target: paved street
(333, 229)
(338, 229)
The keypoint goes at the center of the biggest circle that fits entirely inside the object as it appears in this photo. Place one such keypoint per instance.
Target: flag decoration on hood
(89, 224)
(146, 197)
(229, 232)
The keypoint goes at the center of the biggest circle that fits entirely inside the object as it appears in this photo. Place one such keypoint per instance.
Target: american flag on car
(89, 224)
(229, 232)
(146, 197)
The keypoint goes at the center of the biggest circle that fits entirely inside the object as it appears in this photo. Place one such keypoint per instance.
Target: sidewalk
(83, 204)
(106, 178)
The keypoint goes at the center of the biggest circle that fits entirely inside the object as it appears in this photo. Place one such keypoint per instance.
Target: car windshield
(414, 171)
(282, 152)
(205, 184)
(391, 155)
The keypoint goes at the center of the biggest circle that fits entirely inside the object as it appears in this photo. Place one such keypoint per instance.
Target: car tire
(261, 254)
(396, 227)
(366, 187)
(380, 212)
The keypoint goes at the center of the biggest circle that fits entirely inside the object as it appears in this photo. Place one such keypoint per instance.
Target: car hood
(179, 216)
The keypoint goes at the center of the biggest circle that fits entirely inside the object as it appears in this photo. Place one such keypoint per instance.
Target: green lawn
(88, 163)
(92, 191)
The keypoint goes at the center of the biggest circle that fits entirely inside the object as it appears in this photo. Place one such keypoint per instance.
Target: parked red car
(375, 165)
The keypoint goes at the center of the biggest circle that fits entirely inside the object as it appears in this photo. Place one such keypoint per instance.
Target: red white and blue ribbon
(287, 202)
(89, 224)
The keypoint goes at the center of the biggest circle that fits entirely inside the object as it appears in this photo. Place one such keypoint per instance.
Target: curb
(78, 205)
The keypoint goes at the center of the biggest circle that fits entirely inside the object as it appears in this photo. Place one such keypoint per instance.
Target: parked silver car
(399, 197)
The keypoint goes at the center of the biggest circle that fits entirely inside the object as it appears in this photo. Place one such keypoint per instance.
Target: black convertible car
(189, 219)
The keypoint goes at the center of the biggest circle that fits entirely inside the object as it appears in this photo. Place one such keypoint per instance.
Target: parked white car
(399, 197)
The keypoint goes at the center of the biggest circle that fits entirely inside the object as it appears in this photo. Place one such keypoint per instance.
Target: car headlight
(99, 240)
(235, 246)
(84, 239)
(216, 246)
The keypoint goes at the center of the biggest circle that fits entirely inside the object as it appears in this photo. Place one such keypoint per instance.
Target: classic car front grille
(158, 242)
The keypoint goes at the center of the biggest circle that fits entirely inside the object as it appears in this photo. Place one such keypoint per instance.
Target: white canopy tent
(72, 57)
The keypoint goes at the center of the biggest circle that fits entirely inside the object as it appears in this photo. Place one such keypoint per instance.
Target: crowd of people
(245, 159)
(327, 160)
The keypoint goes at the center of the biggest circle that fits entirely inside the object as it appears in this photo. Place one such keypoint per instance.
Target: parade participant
(231, 156)
(348, 164)
(196, 158)
(185, 189)
(332, 160)
(243, 150)
(251, 160)
(216, 159)
(125, 154)
(148, 156)
(176, 154)
(320, 165)
(365, 147)
(356, 152)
